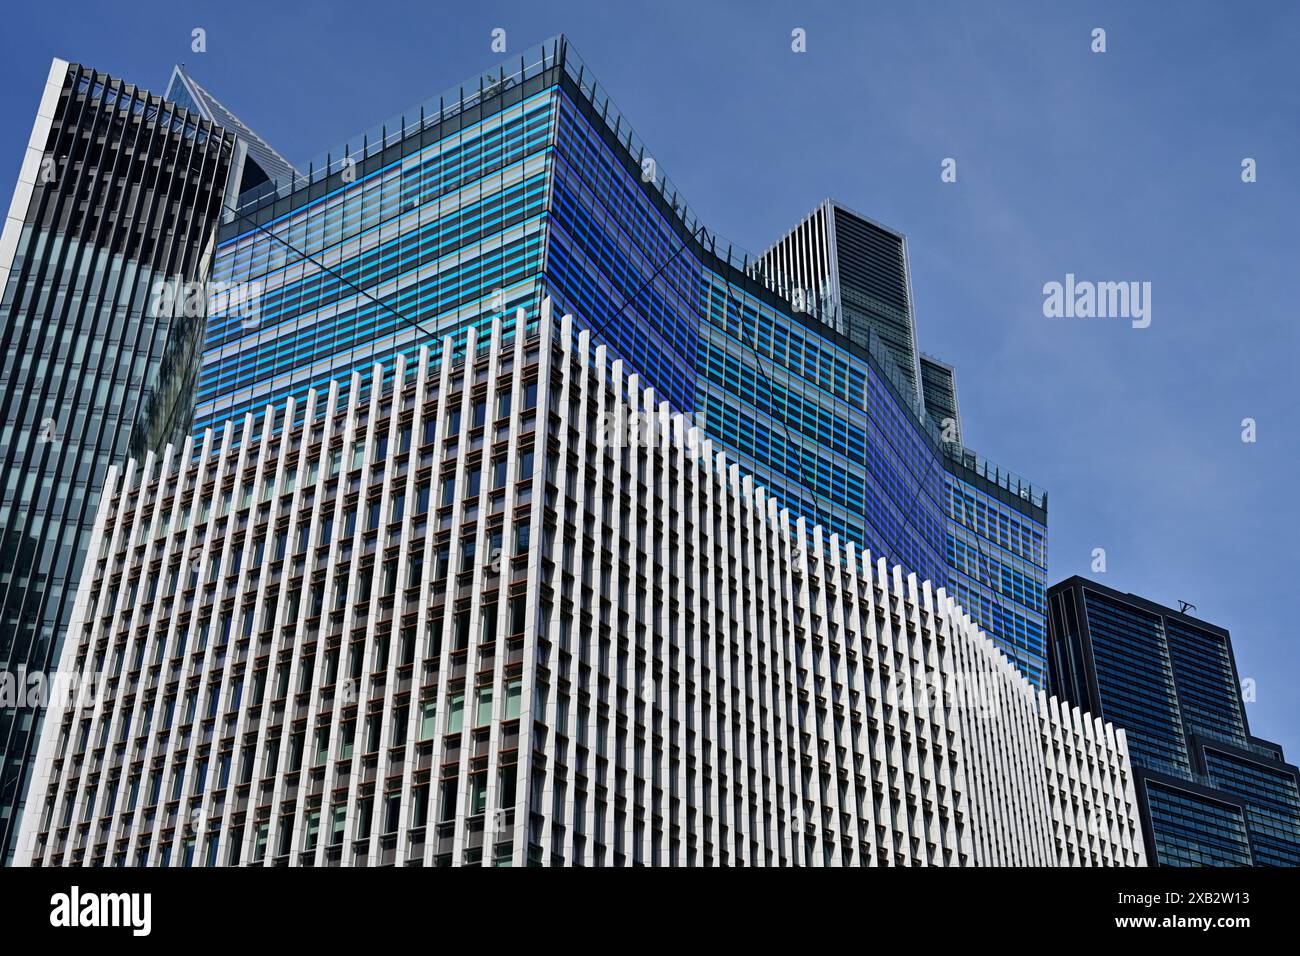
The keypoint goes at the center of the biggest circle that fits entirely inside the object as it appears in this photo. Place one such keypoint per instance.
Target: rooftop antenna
(1184, 607)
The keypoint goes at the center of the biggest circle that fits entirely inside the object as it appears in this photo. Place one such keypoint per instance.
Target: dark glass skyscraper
(1211, 794)
(939, 396)
(854, 272)
(119, 191)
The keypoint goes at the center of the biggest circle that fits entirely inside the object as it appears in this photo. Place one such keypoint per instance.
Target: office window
(428, 719)
(312, 833)
(514, 698)
(483, 706)
(456, 713)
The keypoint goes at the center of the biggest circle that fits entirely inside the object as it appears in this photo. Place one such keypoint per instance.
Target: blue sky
(1117, 166)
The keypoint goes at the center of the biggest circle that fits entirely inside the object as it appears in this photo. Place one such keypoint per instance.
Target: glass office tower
(119, 191)
(1211, 794)
(262, 163)
(997, 555)
(528, 182)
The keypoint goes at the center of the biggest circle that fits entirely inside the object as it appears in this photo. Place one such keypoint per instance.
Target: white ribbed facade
(662, 668)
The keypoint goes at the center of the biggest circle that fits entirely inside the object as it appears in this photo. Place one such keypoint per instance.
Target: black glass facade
(939, 395)
(874, 293)
(120, 197)
(1191, 829)
(1210, 793)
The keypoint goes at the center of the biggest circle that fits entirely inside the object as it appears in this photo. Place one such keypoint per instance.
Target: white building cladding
(470, 615)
